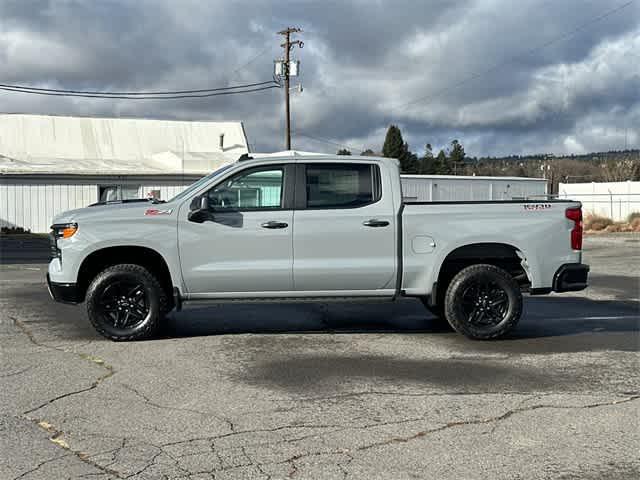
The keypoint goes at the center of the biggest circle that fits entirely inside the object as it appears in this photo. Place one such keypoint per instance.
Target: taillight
(575, 215)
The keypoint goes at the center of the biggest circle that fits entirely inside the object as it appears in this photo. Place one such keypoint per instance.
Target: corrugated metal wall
(167, 192)
(615, 200)
(433, 189)
(32, 204)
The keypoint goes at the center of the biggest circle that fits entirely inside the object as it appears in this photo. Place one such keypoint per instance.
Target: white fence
(615, 200)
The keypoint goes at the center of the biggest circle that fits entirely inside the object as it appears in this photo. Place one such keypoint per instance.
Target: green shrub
(13, 230)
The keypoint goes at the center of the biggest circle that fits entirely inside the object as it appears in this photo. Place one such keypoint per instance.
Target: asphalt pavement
(317, 391)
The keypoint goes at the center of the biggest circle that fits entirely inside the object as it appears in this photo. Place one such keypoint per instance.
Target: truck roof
(295, 157)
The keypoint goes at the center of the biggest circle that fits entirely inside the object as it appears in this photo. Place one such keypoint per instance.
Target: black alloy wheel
(124, 304)
(483, 302)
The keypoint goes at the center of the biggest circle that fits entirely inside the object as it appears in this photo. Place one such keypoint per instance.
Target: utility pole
(286, 73)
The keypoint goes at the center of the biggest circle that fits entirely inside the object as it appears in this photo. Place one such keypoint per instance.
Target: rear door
(247, 245)
(344, 229)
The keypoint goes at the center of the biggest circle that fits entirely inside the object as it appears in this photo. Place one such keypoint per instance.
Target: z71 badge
(154, 211)
(537, 206)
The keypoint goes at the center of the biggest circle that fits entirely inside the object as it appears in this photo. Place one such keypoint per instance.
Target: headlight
(64, 230)
(60, 230)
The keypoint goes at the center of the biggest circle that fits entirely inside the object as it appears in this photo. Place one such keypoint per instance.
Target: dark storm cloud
(473, 63)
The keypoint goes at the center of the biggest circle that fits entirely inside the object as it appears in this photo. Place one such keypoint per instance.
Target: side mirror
(200, 213)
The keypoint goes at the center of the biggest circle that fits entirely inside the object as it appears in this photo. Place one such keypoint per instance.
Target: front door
(246, 245)
(344, 235)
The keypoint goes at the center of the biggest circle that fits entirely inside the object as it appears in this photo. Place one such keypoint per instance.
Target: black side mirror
(200, 213)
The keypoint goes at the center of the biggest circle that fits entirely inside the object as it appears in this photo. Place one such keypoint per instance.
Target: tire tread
(450, 302)
(151, 327)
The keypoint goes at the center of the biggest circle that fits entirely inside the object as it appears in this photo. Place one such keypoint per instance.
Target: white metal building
(49, 164)
(615, 200)
(434, 188)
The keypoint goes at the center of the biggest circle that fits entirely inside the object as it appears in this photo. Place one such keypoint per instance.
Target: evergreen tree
(442, 164)
(427, 163)
(395, 147)
(409, 161)
(456, 157)
(393, 143)
(344, 151)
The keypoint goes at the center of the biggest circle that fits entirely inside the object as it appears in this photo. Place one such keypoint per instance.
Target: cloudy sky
(503, 76)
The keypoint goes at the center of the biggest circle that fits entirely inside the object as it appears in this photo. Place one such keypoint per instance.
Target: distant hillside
(612, 166)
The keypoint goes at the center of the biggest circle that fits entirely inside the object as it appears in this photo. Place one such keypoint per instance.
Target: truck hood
(112, 210)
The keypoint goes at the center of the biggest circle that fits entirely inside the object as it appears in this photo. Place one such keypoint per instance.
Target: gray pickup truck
(319, 228)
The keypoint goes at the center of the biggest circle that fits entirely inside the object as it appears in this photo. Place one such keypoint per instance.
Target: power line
(526, 53)
(109, 94)
(253, 59)
(148, 97)
(327, 141)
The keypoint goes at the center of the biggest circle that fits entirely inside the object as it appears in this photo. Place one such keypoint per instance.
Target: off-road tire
(476, 275)
(156, 297)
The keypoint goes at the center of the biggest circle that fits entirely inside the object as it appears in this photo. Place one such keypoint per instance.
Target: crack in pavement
(56, 435)
(40, 465)
(450, 425)
(110, 371)
(150, 402)
(56, 438)
(498, 418)
(13, 374)
(364, 393)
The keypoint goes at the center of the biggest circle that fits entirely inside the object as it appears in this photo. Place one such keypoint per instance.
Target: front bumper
(63, 292)
(571, 277)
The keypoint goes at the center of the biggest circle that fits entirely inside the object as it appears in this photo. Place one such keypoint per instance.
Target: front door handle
(274, 224)
(375, 223)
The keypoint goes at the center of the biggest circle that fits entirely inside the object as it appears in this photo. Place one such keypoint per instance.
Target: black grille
(53, 246)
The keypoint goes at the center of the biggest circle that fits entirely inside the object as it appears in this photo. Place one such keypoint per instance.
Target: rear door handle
(274, 224)
(375, 223)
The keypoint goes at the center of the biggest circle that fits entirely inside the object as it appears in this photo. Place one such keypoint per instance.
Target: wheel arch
(502, 255)
(105, 257)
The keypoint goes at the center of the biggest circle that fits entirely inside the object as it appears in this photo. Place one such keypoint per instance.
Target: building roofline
(473, 177)
(106, 117)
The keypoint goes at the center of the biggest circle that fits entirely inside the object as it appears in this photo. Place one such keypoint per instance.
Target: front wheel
(126, 302)
(483, 302)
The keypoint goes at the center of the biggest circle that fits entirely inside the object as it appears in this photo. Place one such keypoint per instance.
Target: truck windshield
(203, 180)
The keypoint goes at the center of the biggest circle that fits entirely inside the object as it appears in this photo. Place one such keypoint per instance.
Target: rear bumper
(63, 292)
(571, 277)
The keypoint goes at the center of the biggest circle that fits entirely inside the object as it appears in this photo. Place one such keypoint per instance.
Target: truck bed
(539, 230)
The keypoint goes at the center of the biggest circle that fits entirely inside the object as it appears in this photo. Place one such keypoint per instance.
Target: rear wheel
(483, 302)
(126, 302)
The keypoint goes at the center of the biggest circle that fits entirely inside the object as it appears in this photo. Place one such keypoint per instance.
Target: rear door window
(341, 185)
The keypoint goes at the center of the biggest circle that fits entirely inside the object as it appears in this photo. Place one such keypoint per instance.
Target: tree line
(612, 166)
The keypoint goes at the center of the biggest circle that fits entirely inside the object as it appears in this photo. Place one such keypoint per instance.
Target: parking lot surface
(316, 391)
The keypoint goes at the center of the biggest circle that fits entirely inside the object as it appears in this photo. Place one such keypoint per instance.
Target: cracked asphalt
(308, 391)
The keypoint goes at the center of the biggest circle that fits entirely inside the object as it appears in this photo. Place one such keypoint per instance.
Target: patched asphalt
(324, 391)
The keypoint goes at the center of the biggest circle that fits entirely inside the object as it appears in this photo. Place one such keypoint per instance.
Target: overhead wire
(525, 53)
(148, 96)
(141, 97)
(107, 93)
